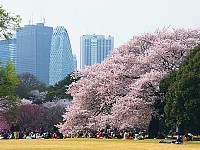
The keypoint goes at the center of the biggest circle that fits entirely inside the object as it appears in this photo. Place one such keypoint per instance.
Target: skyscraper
(75, 62)
(95, 48)
(33, 50)
(8, 51)
(61, 58)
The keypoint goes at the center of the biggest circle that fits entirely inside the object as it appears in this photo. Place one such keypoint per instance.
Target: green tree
(8, 79)
(8, 84)
(182, 94)
(59, 89)
(8, 23)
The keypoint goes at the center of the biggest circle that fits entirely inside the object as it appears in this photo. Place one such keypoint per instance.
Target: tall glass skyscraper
(61, 58)
(75, 62)
(94, 49)
(8, 51)
(33, 50)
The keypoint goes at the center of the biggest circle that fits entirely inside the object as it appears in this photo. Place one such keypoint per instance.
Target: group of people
(180, 139)
(109, 133)
(122, 134)
(15, 132)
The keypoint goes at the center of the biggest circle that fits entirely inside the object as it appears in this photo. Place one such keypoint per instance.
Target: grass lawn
(93, 144)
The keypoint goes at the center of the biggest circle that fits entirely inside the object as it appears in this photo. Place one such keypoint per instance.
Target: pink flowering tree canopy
(30, 116)
(3, 123)
(123, 88)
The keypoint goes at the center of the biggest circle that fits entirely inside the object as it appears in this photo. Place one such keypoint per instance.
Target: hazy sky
(119, 18)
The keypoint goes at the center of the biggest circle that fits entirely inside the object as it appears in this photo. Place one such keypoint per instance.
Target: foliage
(8, 23)
(8, 85)
(122, 90)
(28, 83)
(53, 112)
(182, 92)
(37, 97)
(25, 101)
(30, 116)
(3, 123)
(157, 123)
(8, 78)
(59, 89)
(10, 114)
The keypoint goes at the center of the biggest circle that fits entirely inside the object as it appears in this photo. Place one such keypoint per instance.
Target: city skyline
(94, 49)
(41, 50)
(33, 50)
(121, 19)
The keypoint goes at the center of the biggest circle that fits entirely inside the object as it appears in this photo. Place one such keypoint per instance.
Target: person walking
(16, 130)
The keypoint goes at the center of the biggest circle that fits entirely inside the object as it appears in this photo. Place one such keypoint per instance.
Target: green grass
(93, 144)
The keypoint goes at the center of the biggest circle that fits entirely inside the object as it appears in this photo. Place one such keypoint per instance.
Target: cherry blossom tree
(25, 102)
(36, 96)
(30, 116)
(123, 88)
(3, 123)
(53, 112)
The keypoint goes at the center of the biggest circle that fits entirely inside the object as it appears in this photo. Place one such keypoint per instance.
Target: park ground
(94, 144)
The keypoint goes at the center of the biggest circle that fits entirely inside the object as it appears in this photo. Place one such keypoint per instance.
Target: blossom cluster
(123, 88)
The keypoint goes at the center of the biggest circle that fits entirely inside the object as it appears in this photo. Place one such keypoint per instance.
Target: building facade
(33, 50)
(75, 62)
(8, 51)
(94, 49)
(61, 58)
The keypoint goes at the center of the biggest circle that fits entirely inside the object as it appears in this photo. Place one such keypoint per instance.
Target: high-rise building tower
(94, 49)
(61, 58)
(33, 50)
(75, 62)
(8, 51)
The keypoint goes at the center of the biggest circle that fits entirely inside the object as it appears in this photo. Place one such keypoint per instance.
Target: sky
(122, 19)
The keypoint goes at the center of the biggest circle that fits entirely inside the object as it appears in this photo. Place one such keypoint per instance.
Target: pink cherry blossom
(122, 89)
(3, 123)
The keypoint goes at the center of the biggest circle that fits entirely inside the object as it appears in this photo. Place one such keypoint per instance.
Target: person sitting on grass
(178, 141)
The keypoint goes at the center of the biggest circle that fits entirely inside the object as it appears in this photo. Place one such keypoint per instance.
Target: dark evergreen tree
(182, 94)
(58, 91)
